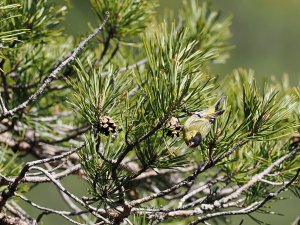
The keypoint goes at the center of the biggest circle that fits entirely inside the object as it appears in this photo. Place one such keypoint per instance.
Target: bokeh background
(266, 33)
(266, 38)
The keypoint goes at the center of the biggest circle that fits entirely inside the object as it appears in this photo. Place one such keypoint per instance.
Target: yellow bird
(199, 124)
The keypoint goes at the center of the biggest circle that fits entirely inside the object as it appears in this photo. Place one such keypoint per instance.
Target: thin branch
(296, 221)
(194, 203)
(257, 177)
(158, 195)
(197, 190)
(54, 158)
(232, 150)
(75, 208)
(251, 208)
(10, 191)
(50, 170)
(75, 198)
(187, 181)
(14, 209)
(64, 214)
(57, 176)
(58, 184)
(273, 183)
(3, 108)
(54, 73)
(141, 138)
(163, 214)
(70, 203)
(151, 173)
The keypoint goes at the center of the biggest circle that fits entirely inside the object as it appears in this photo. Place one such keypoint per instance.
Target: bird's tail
(220, 102)
(213, 111)
(216, 108)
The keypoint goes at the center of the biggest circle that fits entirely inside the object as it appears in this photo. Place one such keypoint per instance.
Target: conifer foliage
(110, 108)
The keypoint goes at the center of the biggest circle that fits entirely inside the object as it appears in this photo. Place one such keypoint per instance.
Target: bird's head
(201, 114)
(194, 141)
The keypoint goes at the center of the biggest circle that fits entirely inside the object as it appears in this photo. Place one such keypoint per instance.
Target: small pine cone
(107, 125)
(296, 140)
(173, 127)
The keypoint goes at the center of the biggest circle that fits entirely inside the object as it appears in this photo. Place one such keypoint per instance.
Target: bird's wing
(219, 102)
(201, 125)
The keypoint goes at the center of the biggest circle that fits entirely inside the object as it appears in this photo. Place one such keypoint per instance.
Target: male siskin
(199, 124)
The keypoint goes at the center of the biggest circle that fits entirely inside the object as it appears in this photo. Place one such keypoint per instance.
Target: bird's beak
(191, 143)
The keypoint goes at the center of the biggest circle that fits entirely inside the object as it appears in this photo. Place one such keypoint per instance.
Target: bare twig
(3, 108)
(70, 203)
(64, 214)
(17, 211)
(10, 191)
(251, 208)
(72, 196)
(158, 195)
(296, 221)
(57, 176)
(273, 183)
(223, 202)
(189, 180)
(197, 190)
(58, 184)
(257, 177)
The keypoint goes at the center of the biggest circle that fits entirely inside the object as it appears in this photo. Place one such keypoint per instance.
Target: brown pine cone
(107, 125)
(173, 127)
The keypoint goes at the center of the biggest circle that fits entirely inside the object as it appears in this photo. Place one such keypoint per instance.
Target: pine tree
(111, 108)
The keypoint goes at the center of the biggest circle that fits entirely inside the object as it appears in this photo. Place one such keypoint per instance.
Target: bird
(198, 125)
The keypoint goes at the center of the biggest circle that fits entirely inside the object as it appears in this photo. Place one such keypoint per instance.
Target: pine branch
(251, 208)
(53, 75)
(46, 210)
(10, 191)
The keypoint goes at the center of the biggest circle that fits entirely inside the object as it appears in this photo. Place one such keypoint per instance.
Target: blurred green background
(266, 36)
(266, 33)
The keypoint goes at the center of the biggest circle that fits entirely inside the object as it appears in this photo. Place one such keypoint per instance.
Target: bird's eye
(212, 119)
(199, 114)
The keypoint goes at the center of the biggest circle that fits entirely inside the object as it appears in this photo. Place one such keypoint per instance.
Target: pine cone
(296, 140)
(173, 127)
(107, 125)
